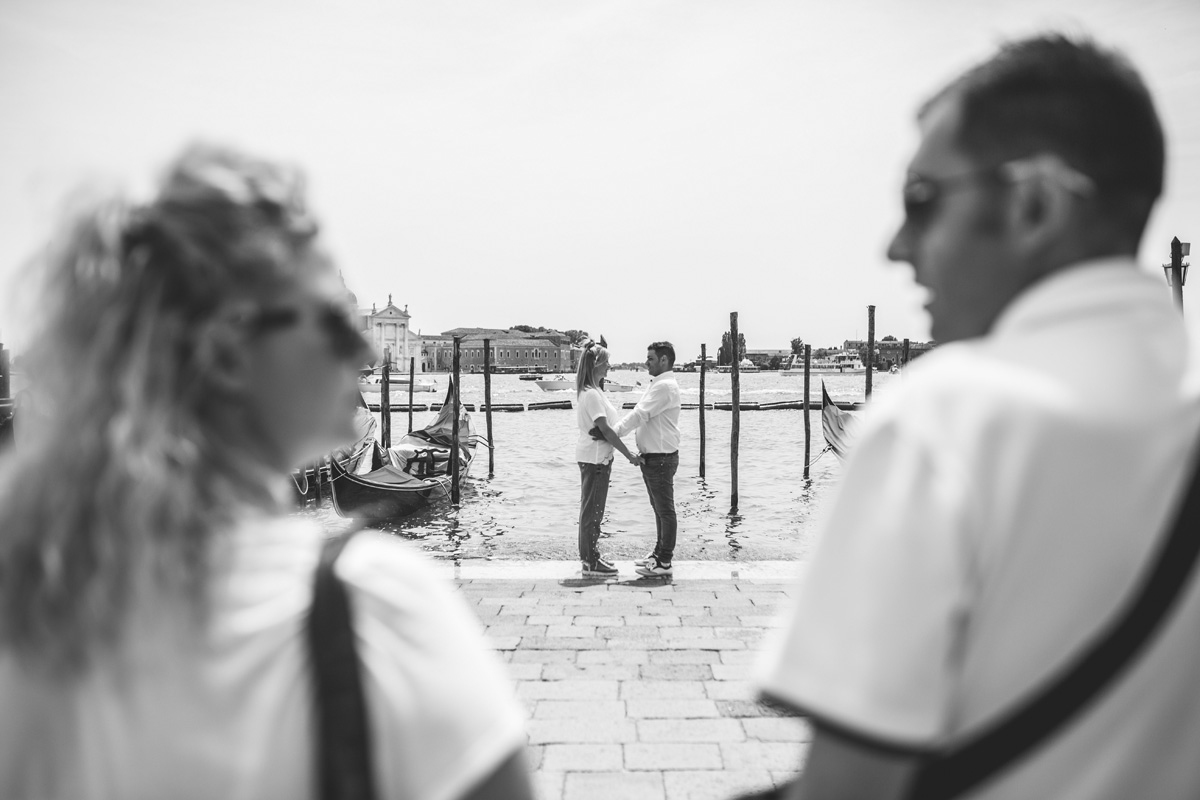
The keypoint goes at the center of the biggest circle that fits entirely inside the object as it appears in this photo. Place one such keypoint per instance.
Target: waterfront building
(388, 329)
(889, 351)
(512, 350)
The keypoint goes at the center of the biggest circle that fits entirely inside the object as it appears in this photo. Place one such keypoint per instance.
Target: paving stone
(746, 634)
(514, 629)
(524, 671)
(733, 672)
(598, 622)
(686, 657)
(778, 729)
(542, 618)
(503, 642)
(630, 632)
(545, 656)
(533, 756)
(711, 621)
(730, 690)
(692, 785)
(740, 656)
(614, 786)
(651, 620)
(612, 657)
(671, 709)
(661, 690)
(761, 755)
(548, 785)
(584, 757)
(570, 631)
(690, 730)
(685, 632)
(643, 756)
(678, 672)
(763, 621)
(751, 709)
(581, 731)
(561, 643)
(568, 690)
(582, 709)
(606, 672)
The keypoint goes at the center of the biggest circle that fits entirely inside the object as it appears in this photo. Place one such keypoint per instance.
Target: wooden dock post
(5, 366)
(904, 354)
(735, 379)
(319, 479)
(870, 347)
(456, 449)
(807, 424)
(385, 399)
(487, 399)
(703, 367)
(412, 371)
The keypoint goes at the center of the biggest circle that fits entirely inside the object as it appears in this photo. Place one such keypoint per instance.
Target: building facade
(511, 351)
(388, 329)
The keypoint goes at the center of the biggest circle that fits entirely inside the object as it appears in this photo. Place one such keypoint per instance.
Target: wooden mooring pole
(807, 424)
(385, 399)
(412, 371)
(904, 354)
(870, 347)
(5, 384)
(487, 399)
(735, 380)
(457, 449)
(703, 367)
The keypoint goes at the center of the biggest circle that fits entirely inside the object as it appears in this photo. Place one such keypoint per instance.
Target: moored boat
(411, 475)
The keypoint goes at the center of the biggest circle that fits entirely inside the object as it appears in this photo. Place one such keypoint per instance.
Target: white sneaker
(645, 561)
(655, 569)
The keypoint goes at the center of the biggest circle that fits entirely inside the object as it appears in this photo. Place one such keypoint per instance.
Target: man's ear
(1042, 204)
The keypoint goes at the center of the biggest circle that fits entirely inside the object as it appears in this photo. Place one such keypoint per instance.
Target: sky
(633, 169)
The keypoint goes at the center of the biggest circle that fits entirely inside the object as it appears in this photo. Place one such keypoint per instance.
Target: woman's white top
(229, 713)
(591, 405)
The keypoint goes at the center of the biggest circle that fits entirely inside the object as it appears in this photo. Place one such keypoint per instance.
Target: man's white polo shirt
(994, 515)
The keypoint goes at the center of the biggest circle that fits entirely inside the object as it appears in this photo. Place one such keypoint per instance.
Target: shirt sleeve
(656, 400)
(869, 646)
(443, 714)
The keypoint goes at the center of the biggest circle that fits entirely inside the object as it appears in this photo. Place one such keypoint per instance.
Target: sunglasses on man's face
(921, 194)
(333, 318)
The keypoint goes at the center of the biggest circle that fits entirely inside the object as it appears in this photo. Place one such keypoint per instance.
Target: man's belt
(652, 456)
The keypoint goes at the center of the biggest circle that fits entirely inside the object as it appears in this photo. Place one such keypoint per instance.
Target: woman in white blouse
(154, 593)
(594, 412)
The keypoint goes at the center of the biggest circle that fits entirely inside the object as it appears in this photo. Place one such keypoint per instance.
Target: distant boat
(411, 475)
(559, 383)
(841, 362)
(373, 384)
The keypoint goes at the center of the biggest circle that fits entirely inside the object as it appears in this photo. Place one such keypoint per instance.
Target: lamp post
(1176, 271)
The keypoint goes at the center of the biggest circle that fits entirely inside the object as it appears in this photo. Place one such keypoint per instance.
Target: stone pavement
(640, 688)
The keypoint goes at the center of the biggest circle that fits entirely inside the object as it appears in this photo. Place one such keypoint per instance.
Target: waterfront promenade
(640, 688)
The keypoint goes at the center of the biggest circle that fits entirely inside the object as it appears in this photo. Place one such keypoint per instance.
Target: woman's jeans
(592, 497)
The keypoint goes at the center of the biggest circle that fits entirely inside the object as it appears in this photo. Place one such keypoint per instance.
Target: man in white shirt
(1000, 506)
(656, 420)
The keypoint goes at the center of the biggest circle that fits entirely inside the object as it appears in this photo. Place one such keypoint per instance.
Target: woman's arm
(611, 437)
(510, 781)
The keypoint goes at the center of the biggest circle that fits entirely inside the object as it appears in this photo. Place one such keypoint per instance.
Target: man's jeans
(593, 495)
(658, 472)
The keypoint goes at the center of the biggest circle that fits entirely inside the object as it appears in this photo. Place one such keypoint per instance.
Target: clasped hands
(635, 459)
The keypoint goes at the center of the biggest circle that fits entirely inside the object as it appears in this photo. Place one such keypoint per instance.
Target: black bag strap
(342, 738)
(1044, 712)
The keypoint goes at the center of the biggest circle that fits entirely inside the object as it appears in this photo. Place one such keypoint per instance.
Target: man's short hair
(1085, 104)
(663, 349)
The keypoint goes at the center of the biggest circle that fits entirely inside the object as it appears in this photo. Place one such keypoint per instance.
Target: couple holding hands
(601, 426)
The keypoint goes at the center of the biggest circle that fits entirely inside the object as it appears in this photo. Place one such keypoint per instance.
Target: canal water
(527, 510)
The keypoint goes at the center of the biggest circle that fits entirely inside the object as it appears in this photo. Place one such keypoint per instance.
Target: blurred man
(1000, 505)
(656, 420)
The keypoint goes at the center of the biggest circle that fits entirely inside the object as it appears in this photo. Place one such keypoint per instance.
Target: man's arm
(841, 768)
(653, 402)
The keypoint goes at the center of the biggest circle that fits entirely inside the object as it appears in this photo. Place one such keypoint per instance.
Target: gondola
(409, 476)
(840, 427)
